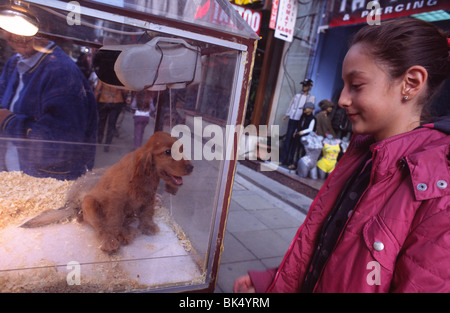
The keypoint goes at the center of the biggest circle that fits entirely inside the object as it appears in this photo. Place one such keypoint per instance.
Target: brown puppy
(128, 189)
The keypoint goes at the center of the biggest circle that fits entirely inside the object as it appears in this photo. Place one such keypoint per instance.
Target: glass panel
(214, 14)
(65, 123)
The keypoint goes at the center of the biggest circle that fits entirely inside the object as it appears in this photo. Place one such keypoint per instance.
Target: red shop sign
(213, 13)
(347, 12)
(253, 18)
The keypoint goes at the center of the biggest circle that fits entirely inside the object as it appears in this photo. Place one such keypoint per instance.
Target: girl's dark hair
(401, 43)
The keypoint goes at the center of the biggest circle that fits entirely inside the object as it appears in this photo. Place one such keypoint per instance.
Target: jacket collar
(30, 63)
(415, 140)
(429, 166)
(425, 151)
(442, 124)
(429, 172)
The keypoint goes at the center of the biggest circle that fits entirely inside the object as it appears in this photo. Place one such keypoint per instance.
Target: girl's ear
(414, 82)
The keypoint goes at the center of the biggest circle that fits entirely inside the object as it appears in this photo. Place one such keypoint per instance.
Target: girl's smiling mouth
(352, 116)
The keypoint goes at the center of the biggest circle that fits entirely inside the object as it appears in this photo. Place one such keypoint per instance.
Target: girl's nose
(344, 99)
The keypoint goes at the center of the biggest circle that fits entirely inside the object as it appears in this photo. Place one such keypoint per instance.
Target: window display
(145, 210)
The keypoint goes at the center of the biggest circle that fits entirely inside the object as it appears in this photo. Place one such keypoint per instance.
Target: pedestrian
(323, 120)
(293, 113)
(305, 126)
(144, 107)
(381, 222)
(110, 103)
(49, 106)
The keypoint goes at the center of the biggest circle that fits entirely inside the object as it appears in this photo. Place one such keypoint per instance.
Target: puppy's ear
(143, 163)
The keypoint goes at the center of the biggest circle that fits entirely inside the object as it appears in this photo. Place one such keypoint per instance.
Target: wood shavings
(164, 215)
(49, 277)
(23, 196)
(35, 259)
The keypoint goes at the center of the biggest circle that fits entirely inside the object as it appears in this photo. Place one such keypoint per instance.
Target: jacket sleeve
(62, 112)
(56, 110)
(262, 279)
(310, 127)
(424, 262)
(3, 84)
(289, 109)
(5, 77)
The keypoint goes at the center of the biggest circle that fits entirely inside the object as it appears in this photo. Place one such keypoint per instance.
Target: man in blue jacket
(46, 100)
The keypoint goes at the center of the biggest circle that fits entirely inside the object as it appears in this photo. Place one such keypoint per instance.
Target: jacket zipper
(348, 220)
(277, 274)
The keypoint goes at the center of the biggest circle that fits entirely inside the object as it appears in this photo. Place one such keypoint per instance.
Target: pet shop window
(177, 66)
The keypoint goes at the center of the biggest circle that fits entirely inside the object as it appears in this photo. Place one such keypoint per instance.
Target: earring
(405, 95)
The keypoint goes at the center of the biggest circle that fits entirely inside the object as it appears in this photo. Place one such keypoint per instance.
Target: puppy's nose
(189, 168)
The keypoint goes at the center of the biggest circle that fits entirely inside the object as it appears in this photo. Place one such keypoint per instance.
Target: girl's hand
(244, 285)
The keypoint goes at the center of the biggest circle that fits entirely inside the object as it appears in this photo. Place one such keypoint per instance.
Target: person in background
(381, 221)
(45, 99)
(144, 106)
(110, 101)
(294, 113)
(305, 125)
(323, 121)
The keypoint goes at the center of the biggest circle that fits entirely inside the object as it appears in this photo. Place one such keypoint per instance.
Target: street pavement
(260, 225)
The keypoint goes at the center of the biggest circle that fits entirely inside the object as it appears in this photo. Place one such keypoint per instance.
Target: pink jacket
(397, 238)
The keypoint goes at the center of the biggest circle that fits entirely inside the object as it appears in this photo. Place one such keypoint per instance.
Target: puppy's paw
(110, 244)
(128, 234)
(148, 228)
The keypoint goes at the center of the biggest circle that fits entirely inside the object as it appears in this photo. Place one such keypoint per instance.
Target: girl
(381, 222)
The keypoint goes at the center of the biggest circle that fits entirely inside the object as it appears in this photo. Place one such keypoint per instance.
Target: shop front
(347, 17)
(321, 35)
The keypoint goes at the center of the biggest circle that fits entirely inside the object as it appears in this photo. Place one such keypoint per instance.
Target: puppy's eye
(168, 152)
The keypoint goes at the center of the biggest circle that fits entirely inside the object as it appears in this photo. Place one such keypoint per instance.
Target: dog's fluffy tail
(66, 213)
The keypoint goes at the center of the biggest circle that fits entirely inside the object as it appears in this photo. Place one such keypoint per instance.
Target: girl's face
(373, 100)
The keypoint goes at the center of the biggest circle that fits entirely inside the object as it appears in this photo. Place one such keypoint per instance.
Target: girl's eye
(356, 86)
(168, 152)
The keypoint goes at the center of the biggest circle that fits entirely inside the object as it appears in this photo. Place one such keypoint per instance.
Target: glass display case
(92, 193)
